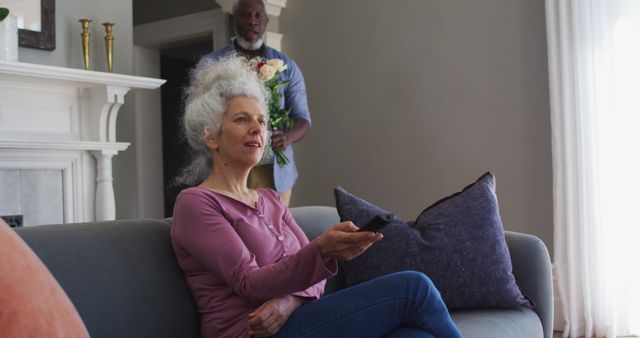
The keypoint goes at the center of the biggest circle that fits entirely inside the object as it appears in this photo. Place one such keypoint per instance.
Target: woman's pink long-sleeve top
(236, 257)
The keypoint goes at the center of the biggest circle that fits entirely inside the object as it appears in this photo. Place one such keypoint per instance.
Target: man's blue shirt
(295, 99)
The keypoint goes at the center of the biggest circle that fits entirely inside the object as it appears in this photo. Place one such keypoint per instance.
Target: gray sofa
(123, 278)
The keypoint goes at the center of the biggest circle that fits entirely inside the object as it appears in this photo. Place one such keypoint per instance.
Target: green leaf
(280, 85)
(4, 12)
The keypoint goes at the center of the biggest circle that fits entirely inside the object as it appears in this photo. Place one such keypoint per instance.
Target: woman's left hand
(270, 317)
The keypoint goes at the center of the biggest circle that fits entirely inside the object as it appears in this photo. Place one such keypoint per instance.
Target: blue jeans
(402, 304)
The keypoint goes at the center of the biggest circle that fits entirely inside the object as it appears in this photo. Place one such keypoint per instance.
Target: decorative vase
(9, 39)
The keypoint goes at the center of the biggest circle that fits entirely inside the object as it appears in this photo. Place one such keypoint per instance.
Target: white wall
(412, 100)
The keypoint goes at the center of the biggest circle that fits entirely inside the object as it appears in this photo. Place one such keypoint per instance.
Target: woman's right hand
(267, 320)
(342, 241)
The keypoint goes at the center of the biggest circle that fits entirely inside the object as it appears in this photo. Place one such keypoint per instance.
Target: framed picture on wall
(36, 22)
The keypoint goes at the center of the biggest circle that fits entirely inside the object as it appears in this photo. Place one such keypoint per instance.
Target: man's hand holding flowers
(279, 140)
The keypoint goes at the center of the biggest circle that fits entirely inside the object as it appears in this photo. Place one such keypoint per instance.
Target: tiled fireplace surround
(57, 141)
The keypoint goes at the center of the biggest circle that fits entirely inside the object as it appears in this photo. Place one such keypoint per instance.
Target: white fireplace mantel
(65, 119)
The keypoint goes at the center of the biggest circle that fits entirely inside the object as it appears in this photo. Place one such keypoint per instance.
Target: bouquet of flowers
(269, 72)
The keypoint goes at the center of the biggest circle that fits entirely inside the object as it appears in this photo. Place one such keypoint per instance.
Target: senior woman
(249, 266)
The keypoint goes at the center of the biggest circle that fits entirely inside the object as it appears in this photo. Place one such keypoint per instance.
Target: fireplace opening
(14, 221)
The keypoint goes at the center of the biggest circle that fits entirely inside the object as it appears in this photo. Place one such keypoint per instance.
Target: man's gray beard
(248, 45)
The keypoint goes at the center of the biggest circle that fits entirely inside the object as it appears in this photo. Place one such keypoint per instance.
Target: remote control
(378, 222)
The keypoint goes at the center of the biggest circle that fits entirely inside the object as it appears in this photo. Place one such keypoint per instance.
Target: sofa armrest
(314, 220)
(532, 270)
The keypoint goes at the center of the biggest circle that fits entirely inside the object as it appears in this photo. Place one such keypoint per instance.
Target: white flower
(267, 72)
(277, 64)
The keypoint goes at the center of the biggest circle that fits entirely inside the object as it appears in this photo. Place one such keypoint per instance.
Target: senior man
(250, 21)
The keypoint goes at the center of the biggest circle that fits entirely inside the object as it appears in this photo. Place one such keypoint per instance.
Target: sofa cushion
(32, 303)
(458, 242)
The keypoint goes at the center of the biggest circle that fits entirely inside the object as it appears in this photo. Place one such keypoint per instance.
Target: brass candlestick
(108, 42)
(85, 41)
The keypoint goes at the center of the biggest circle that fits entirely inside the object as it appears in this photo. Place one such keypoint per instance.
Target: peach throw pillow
(32, 303)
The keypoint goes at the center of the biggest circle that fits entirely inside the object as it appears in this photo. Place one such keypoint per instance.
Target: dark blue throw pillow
(458, 242)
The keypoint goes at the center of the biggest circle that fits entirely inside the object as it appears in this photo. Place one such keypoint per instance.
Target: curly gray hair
(213, 83)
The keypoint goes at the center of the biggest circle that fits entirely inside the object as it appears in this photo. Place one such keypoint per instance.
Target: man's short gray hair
(213, 84)
(236, 3)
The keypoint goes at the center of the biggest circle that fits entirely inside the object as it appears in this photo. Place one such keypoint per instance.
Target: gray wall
(145, 11)
(68, 52)
(412, 100)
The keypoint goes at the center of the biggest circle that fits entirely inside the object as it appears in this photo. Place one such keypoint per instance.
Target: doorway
(176, 43)
(175, 65)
